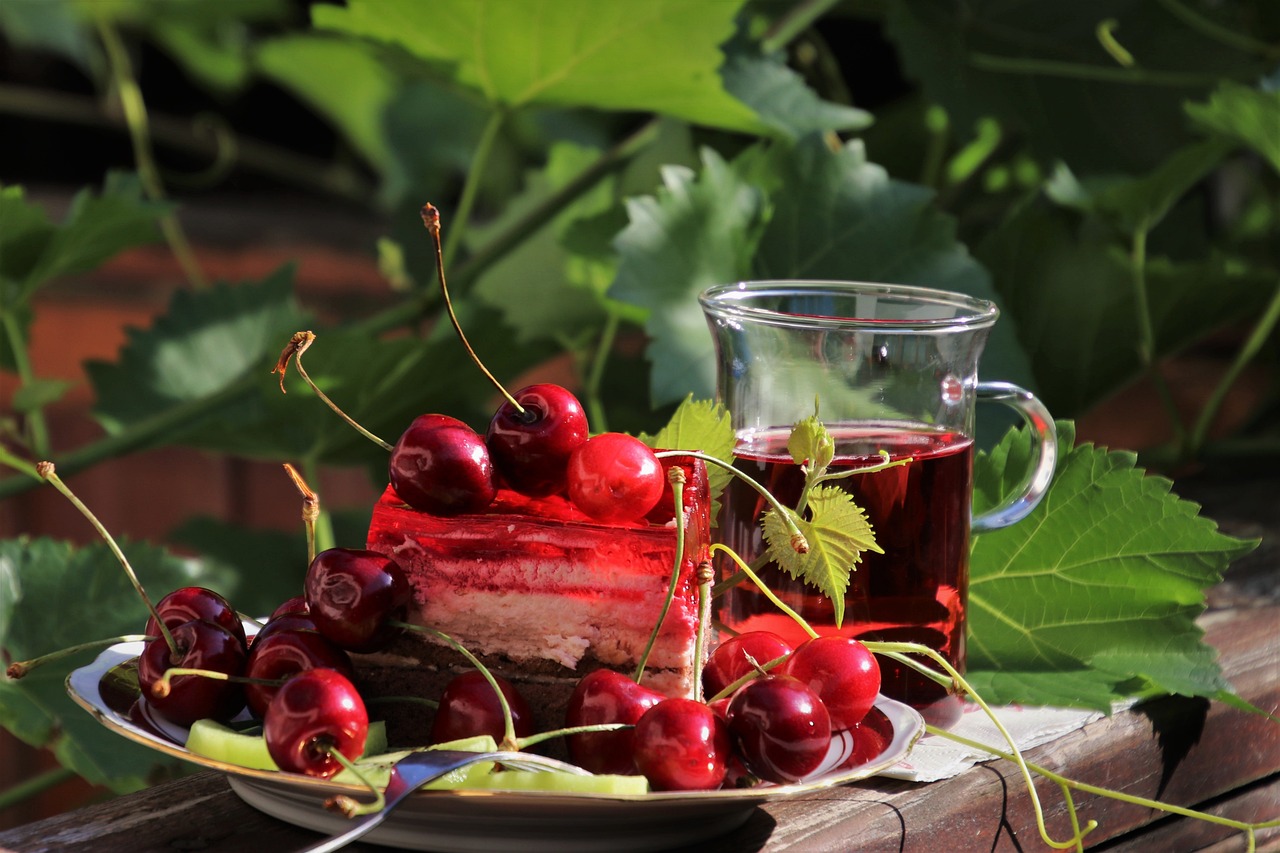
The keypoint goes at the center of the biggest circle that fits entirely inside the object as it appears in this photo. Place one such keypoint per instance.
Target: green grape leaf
(574, 53)
(203, 345)
(39, 393)
(837, 531)
(1250, 116)
(811, 445)
(698, 230)
(93, 600)
(1104, 580)
(701, 425)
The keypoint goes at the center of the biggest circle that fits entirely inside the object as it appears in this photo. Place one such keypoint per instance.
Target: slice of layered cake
(542, 595)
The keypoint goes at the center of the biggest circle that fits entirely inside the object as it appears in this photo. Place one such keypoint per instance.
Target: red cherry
(285, 622)
(354, 595)
(615, 477)
(312, 713)
(844, 674)
(284, 653)
(780, 727)
(605, 696)
(469, 707)
(442, 466)
(729, 661)
(531, 449)
(200, 645)
(295, 605)
(195, 602)
(682, 745)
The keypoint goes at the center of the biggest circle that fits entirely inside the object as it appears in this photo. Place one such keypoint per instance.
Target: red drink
(915, 591)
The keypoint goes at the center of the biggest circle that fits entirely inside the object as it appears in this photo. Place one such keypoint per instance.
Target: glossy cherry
(284, 653)
(682, 745)
(605, 696)
(442, 466)
(781, 729)
(531, 448)
(195, 602)
(312, 714)
(615, 477)
(354, 596)
(199, 645)
(469, 707)
(733, 658)
(844, 674)
(295, 605)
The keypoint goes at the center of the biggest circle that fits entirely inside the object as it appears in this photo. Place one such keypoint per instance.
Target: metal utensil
(418, 768)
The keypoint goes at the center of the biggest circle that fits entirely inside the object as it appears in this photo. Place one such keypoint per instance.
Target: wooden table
(1188, 752)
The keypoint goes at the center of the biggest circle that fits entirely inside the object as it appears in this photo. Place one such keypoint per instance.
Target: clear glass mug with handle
(889, 369)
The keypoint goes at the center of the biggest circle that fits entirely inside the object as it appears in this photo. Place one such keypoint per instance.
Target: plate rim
(83, 686)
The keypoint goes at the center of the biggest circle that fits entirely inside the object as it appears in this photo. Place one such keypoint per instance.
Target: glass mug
(889, 368)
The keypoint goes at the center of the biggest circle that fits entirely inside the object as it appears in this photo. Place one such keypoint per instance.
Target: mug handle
(1044, 456)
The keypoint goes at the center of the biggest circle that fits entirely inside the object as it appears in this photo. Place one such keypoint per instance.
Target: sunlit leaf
(1249, 116)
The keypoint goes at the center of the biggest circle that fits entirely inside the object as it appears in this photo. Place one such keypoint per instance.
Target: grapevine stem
(37, 427)
(676, 477)
(47, 471)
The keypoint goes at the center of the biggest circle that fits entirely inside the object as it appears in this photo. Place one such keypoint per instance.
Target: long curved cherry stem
(431, 219)
(297, 345)
(798, 540)
(746, 570)
(705, 574)
(675, 476)
(163, 685)
(509, 740)
(349, 806)
(757, 670)
(50, 474)
(534, 739)
(19, 668)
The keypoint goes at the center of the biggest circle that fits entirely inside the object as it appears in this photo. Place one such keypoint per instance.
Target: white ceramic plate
(489, 820)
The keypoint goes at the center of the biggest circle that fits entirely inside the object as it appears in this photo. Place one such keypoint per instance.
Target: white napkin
(935, 757)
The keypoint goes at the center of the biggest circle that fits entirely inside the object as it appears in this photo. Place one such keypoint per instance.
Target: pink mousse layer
(536, 580)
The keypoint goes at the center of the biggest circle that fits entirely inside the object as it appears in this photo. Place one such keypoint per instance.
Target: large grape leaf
(1094, 596)
(56, 596)
(698, 230)
(661, 56)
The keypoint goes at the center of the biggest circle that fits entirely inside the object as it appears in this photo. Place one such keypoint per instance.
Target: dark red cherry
(295, 605)
(615, 477)
(531, 449)
(312, 714)
(285, 622)
(195, 602)
(442, 466)
(781, 729)
(604, 696)
(469, 707)
(200, 645)
(733, 658)
(284, 653)
(682, 745)
(844, 674)
(353, 596)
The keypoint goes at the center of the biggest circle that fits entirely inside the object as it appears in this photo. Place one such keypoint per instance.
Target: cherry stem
(705, 574)
(349, 806)
(50, 474)
(535, 739)
(310, 509)
(19, 668)
(675, 476)
(798, 540)
(758, 670)
(763, 587)
(431, 219)
(297, 345)
(509, 740)
(163, 686)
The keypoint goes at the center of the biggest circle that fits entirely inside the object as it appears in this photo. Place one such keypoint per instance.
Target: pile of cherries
(541, 448)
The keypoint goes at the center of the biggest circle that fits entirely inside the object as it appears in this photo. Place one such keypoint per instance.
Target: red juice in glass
(915, 591)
